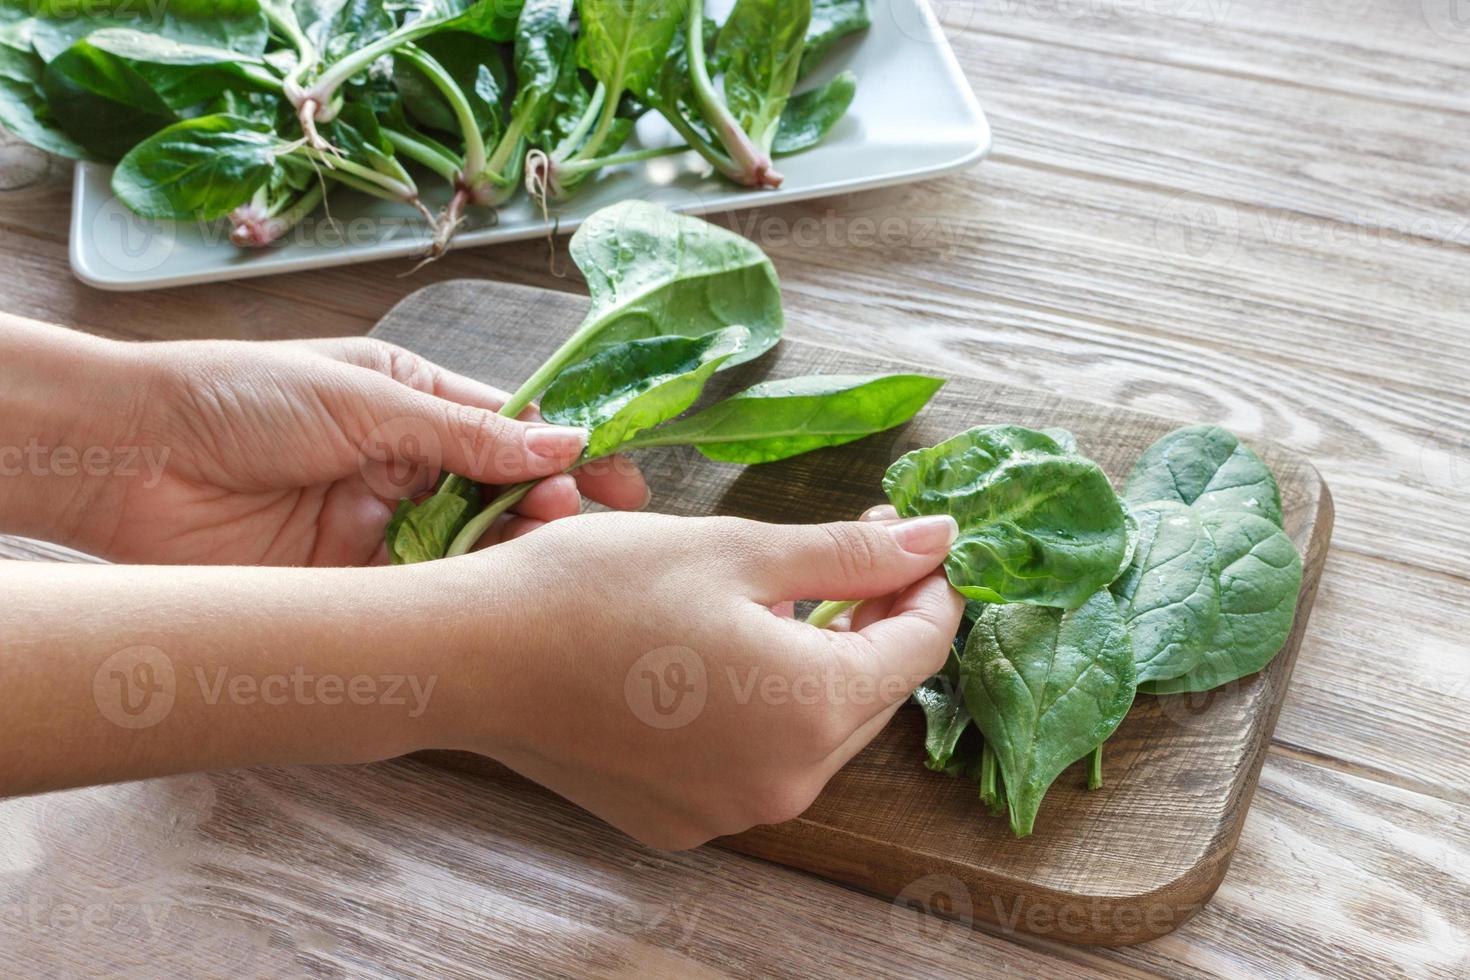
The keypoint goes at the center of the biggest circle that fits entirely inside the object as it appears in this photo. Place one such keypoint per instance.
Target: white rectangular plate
(914, 117)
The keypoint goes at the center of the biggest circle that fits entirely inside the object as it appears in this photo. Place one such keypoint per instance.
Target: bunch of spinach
(673, 300)
(1079, 598)
(255, 109)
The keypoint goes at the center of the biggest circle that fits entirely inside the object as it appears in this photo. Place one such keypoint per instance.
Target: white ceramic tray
(914, 117)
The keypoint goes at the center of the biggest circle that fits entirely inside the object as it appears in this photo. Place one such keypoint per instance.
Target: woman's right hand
(648, 668)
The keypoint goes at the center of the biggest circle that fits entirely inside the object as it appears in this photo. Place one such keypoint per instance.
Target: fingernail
(878, 512)
(556, 442)
(925, 535)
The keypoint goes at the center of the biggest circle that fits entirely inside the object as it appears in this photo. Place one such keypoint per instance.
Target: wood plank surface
(1266, 296)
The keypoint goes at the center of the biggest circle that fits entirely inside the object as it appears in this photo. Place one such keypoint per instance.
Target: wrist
(68, 402)
(473, 621)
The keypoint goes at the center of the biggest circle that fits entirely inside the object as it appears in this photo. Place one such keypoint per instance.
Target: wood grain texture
(1119, 866)
(1109, 267)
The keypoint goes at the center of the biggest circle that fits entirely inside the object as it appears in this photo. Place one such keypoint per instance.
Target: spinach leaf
(200, 168)
(1260, 578)
(1046, 686)
(120, 62)
(808, 117)
(238, 25)
(780, 419)
(542, 38)
(102, 102)
(1169, 596)
(653, 273)
(23, 108)
(832, 20)
(1038, 524)
(622, 390)
(945, 716)
(422, 532)
(760, 50)
(337, 27)
(1207, 466)
(623, 43)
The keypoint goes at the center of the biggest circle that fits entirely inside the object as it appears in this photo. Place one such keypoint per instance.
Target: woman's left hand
(295, 453)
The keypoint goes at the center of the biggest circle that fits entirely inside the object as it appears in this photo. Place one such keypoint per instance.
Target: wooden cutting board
(1119, 865)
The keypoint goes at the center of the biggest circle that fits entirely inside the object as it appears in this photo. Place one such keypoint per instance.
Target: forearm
(117, 672)
(67, 401)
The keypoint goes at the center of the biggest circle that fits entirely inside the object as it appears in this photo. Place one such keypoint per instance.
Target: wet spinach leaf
(1169, 595)
(1207, 466)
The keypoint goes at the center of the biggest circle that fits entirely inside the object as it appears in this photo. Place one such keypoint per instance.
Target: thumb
(852, 559)
(418, 429)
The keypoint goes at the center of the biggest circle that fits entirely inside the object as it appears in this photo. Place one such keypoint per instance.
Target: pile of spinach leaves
(1079, 598)
(673, 300)
(255, 109)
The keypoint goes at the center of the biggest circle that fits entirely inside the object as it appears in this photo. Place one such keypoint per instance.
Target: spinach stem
(283, 19)
(464, 114)
(422, 153)
(332, 79)
(987, 776)
(397, 188)
(1094, 769)
(606, 115)
(480, 523)
(631, 156)
(571, 147)
(822, 616)
(754, 165)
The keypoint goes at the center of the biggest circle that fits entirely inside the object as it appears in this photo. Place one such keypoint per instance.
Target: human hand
(295, 453)
(648, 668)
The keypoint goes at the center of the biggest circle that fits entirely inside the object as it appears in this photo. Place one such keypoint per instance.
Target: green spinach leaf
(623, 43)
(808, 117)
(1260, 578)
(760, 49)
(780, 419)
(196, 169)
(23, 108)
(1046, 686)
(945, 716)
(832, 20)
(1207, 466)
(102, 102)
(422, 532)
(1038, 524)
(622, 390)
(1169, 596)
(653, 273)
(238, 25)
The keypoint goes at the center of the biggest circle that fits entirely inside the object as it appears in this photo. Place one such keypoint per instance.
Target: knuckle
(855, 547)
(475, 431)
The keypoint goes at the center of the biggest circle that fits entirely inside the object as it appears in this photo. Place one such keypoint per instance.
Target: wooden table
(1247, 211)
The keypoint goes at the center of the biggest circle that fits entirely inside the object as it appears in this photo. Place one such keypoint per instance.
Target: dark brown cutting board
(1120, 865)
